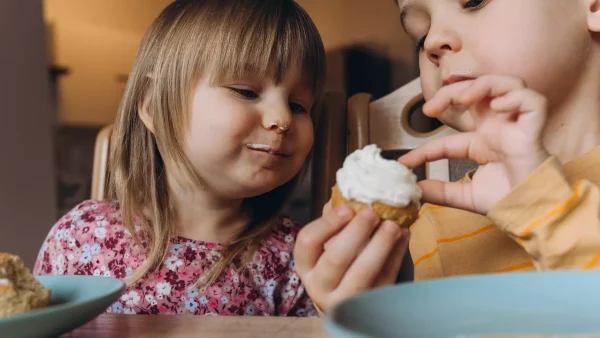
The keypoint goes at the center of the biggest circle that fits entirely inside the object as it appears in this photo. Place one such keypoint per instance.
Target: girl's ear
(145, 111)
(593, 7)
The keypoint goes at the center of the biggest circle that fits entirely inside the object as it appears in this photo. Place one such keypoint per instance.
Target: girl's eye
(474, 4)
(246, 93)
(421, 43)
(296, 108)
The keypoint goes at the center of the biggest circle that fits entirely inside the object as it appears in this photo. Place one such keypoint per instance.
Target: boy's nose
(439, 42)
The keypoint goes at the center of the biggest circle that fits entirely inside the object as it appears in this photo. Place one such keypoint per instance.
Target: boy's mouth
(265, 148)
(454, 78)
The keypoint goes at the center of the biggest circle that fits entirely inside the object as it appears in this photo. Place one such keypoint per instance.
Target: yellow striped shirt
(550, 222)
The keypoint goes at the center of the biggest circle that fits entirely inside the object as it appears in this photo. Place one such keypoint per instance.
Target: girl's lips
(265, 148)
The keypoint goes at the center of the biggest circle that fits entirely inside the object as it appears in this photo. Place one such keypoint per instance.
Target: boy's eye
(246, 93)
(421, 43)
(473, 4)
(296, 108)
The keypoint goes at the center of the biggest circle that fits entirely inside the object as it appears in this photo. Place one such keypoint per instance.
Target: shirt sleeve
(555, 219)
(52, 258)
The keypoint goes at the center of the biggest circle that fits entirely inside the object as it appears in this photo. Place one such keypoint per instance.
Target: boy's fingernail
(368, 215)
(343, 211)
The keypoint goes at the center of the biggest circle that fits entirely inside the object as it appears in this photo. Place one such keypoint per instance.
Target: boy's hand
(361, 253)
(507, 141)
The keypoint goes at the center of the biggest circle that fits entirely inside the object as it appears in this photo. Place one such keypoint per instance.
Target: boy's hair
(190, 39)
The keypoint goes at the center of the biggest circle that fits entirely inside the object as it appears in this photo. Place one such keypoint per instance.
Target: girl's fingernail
(368, 215)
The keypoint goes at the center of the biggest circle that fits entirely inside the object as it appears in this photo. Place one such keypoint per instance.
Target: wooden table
(198, 326)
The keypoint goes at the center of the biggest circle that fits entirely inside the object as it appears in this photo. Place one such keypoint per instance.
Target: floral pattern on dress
(91, 240)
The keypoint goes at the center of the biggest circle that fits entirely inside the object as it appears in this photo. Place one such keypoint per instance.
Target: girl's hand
(507, 141)
(341, 254)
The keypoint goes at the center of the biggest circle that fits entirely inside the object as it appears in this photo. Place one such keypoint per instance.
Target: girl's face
(247, 137)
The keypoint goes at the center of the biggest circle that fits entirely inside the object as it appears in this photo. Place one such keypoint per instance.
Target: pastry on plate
(386, 186)
(19, 290)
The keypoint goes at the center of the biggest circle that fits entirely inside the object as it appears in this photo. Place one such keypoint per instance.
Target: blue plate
(75, 301)
(550, 303)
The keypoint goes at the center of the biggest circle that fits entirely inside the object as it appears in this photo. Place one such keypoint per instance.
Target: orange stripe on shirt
(556, 211)
(425, 257)
(453, 239)
(470, 234)
(592, 263)
(519, 266)
(429, 207)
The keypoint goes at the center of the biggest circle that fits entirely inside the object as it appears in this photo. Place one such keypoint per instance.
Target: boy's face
(544, 42)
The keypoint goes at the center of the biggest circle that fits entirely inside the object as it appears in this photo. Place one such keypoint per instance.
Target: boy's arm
(556, 220)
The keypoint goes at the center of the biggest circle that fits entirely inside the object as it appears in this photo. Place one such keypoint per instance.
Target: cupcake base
(404, 217)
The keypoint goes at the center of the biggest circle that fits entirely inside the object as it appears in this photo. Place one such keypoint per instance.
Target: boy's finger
(342, 251)
(489, 86)
(450, 194)
(521, 101)
(312, 238)
(369, 264)
(454, 147)
(444, 98)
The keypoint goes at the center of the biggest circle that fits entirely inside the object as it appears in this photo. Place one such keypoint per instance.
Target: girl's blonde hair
(190, 39)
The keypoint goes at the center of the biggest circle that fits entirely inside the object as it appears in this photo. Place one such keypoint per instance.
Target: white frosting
(4, 281)
(367, 177)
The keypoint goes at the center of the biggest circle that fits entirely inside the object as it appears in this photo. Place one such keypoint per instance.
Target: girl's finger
(312, 238)
(391, 269)
(341, 252)
(368, 265)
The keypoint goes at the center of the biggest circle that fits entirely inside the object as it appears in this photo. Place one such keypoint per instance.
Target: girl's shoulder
(89, 240)
(99, 220)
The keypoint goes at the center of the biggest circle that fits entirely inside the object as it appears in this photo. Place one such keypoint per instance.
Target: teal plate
(75, 301)
(558, 304)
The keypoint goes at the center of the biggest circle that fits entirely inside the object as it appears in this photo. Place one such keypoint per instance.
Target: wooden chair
(329, 150)
(100, 170)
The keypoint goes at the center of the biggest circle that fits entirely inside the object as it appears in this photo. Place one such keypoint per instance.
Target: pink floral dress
(91, 240)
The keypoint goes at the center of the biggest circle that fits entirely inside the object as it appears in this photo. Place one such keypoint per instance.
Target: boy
(521, 80)
(527, 77)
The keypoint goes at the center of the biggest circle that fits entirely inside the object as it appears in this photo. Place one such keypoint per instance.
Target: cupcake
(368, 180)
(19, 290)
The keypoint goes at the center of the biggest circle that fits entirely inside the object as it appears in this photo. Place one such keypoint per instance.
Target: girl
(213, 132)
